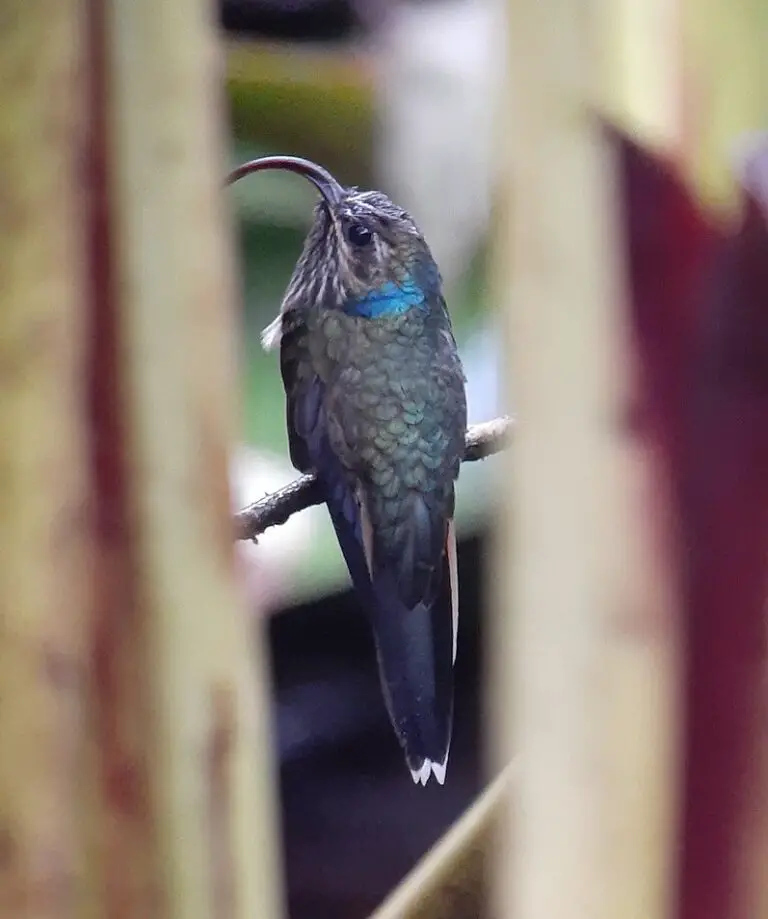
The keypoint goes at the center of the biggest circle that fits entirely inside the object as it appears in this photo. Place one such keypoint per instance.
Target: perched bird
(376, 409)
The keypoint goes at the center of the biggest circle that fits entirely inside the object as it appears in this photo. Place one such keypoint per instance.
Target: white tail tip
(421, 776)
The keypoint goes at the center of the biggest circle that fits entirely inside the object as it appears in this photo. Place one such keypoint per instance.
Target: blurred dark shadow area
(290, 20)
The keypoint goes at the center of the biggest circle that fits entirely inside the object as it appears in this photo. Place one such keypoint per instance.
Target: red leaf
(699, 311)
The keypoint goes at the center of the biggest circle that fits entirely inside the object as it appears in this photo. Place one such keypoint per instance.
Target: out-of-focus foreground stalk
(43, 525)
(583, 643)
(135, 772)
(725, 79)
(185, 684)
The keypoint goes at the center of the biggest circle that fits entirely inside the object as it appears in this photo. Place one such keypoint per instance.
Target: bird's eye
(358, 234)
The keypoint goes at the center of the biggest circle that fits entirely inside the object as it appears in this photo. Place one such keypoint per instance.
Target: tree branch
(483, 440)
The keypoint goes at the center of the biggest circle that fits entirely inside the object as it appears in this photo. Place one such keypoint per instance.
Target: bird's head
(363, 253)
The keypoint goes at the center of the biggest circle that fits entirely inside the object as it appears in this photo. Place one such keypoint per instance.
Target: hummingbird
(376, 410)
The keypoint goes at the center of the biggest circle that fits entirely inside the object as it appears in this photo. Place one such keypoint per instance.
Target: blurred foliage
(299, 99)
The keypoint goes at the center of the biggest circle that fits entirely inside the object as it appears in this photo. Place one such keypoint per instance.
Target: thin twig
(483, 440)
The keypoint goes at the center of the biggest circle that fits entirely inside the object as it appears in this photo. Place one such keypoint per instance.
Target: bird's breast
(394, 400)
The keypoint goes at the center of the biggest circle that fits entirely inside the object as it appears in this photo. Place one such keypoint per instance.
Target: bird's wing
(311, 450)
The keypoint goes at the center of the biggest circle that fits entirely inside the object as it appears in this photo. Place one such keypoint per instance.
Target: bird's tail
(415, 645)
(416, 650)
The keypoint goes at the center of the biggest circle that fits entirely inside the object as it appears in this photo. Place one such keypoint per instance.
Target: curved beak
(325, 183)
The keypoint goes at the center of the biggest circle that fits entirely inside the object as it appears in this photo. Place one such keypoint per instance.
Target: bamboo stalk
(43, 524)
(642, 60)
(451, 881)
(584, 642)
(726, 88)
(188, 777)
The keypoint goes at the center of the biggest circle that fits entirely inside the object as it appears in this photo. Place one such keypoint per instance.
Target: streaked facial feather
(331, 272)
